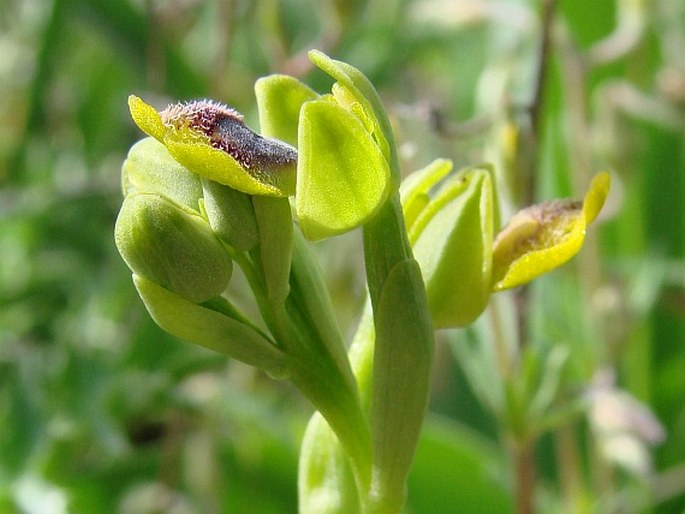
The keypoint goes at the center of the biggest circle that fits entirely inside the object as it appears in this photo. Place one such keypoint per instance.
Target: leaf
(401, 371)
(325, 481)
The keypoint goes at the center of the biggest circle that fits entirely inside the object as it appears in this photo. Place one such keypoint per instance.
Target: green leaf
(342, 176)
(279, 99)
(209, 328)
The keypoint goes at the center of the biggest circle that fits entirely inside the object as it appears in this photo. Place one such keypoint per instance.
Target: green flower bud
(213, 141)
(172, 246)
(149, 168)
(452, 235)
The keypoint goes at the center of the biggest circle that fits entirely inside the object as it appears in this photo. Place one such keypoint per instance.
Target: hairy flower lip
(226, 130)
(212, 140)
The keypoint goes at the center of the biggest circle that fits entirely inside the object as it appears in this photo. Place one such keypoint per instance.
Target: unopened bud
(172, 246)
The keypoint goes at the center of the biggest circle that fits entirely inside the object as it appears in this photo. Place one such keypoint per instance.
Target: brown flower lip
(225, 129)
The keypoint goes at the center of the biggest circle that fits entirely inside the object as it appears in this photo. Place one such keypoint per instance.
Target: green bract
(211, 328)
(172, 246)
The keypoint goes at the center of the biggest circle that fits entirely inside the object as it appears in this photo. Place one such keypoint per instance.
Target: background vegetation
(102, 412)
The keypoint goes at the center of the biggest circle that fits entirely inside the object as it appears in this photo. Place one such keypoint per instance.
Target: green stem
(306, 328)
(401, 357)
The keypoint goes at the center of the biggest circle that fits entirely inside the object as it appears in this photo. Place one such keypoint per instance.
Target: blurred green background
(101, 412)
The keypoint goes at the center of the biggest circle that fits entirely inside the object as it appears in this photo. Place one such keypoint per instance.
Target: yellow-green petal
(596, 196)
(146, 117)
(279, 99)
(542, 237)
(415, 188)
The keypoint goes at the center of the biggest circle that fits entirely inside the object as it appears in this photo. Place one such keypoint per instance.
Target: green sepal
(231, 215)
(211, 329)
(279, 99)
(363, 91)
(401, 380)
(172, 246)
(274, 221)
(150, 168)
(325, 482)
(342, 176)
(452, 240)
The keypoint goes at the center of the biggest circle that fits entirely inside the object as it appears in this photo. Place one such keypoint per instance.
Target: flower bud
(171, 246)
(452, 239)
(213, 141)
(149, 168)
